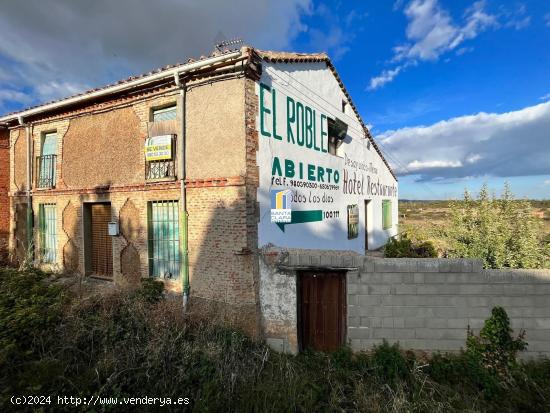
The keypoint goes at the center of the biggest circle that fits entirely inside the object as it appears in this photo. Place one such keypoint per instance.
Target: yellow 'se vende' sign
(158, 148)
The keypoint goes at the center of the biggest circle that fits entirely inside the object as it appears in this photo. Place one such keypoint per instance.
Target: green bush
(503, 232)
(495, 348)
(150, 290)
(389, 363)
(125, 344)
(403, 247)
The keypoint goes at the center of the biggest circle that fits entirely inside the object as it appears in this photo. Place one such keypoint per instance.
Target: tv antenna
(226, 45)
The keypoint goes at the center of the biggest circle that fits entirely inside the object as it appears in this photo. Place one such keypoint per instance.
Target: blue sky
(455, 91)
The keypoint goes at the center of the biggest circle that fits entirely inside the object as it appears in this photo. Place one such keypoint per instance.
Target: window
(47, 220)
(344, 104)
(386, 214)
(337, 131)
(46, 160)
(160, 159)
(166, 113)
(164, 242)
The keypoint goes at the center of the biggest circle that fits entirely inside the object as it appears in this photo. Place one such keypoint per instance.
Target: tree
(503, 231)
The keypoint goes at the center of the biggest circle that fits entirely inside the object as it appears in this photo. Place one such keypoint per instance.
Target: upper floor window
(47, 160)
(337, 131)
(165, 113)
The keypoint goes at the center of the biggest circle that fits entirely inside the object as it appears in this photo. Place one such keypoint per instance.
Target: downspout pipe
(184, 216)
(30, 214)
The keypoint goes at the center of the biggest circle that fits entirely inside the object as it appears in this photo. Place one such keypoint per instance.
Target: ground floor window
(47, 220)
(386, 214)
(164, 240)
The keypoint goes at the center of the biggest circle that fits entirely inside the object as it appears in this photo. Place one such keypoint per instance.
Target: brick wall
(4, 192)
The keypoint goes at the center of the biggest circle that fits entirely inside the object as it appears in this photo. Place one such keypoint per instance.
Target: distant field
(423, 214)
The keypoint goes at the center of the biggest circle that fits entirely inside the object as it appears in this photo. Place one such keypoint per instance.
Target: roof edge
(291, 57)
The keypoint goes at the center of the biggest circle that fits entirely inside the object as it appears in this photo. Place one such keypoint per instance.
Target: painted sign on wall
(324, 174)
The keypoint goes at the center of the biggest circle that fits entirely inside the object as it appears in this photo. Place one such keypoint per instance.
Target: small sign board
(353, 221)
(158, 148)
(281, 210)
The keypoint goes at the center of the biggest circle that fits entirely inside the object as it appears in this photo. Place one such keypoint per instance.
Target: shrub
(503, 231)
(403, 247)
(389, 363)
(151, 290)
(495, 348)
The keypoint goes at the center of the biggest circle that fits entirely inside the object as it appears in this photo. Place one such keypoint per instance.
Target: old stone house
(192, 174)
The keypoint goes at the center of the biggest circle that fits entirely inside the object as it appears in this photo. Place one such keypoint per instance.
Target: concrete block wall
(428, 304)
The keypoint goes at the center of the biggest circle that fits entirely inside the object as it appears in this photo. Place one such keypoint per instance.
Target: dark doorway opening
(321, 310)
(98, 243)
(367, 214)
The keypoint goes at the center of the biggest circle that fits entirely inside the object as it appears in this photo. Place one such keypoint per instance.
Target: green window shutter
(168, 113)
(386, 214)
(47, 217)
(163, 237)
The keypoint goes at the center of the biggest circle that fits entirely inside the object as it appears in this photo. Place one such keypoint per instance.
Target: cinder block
(418, 278)
(359, 332)
(315, 260)
(382, 333)
(369, 300)
(396, 265)
(368, 265)
(455, 265)
(415, 322)
(354, 321)
(387, 322)
(403, 333)
(326, 261)
(376, 311)
(355, 345)
(353, 277)
(405, 289)
(352, 289)
(378, 289)
(375, 322)
(428, 265)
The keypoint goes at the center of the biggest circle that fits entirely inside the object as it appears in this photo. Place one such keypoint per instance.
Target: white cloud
(486, 144)
(417, 165)
(431, 32)
(546, 182)
(516, 19)
(545, 97)
(60, 46)
(7, 95)
(53, 89)
(547, 19)
(385, 77)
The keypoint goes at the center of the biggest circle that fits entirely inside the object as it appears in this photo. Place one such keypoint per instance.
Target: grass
(135, 343)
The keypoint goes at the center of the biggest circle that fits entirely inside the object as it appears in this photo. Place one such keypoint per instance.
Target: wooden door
(102, 248)
(322, 310)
